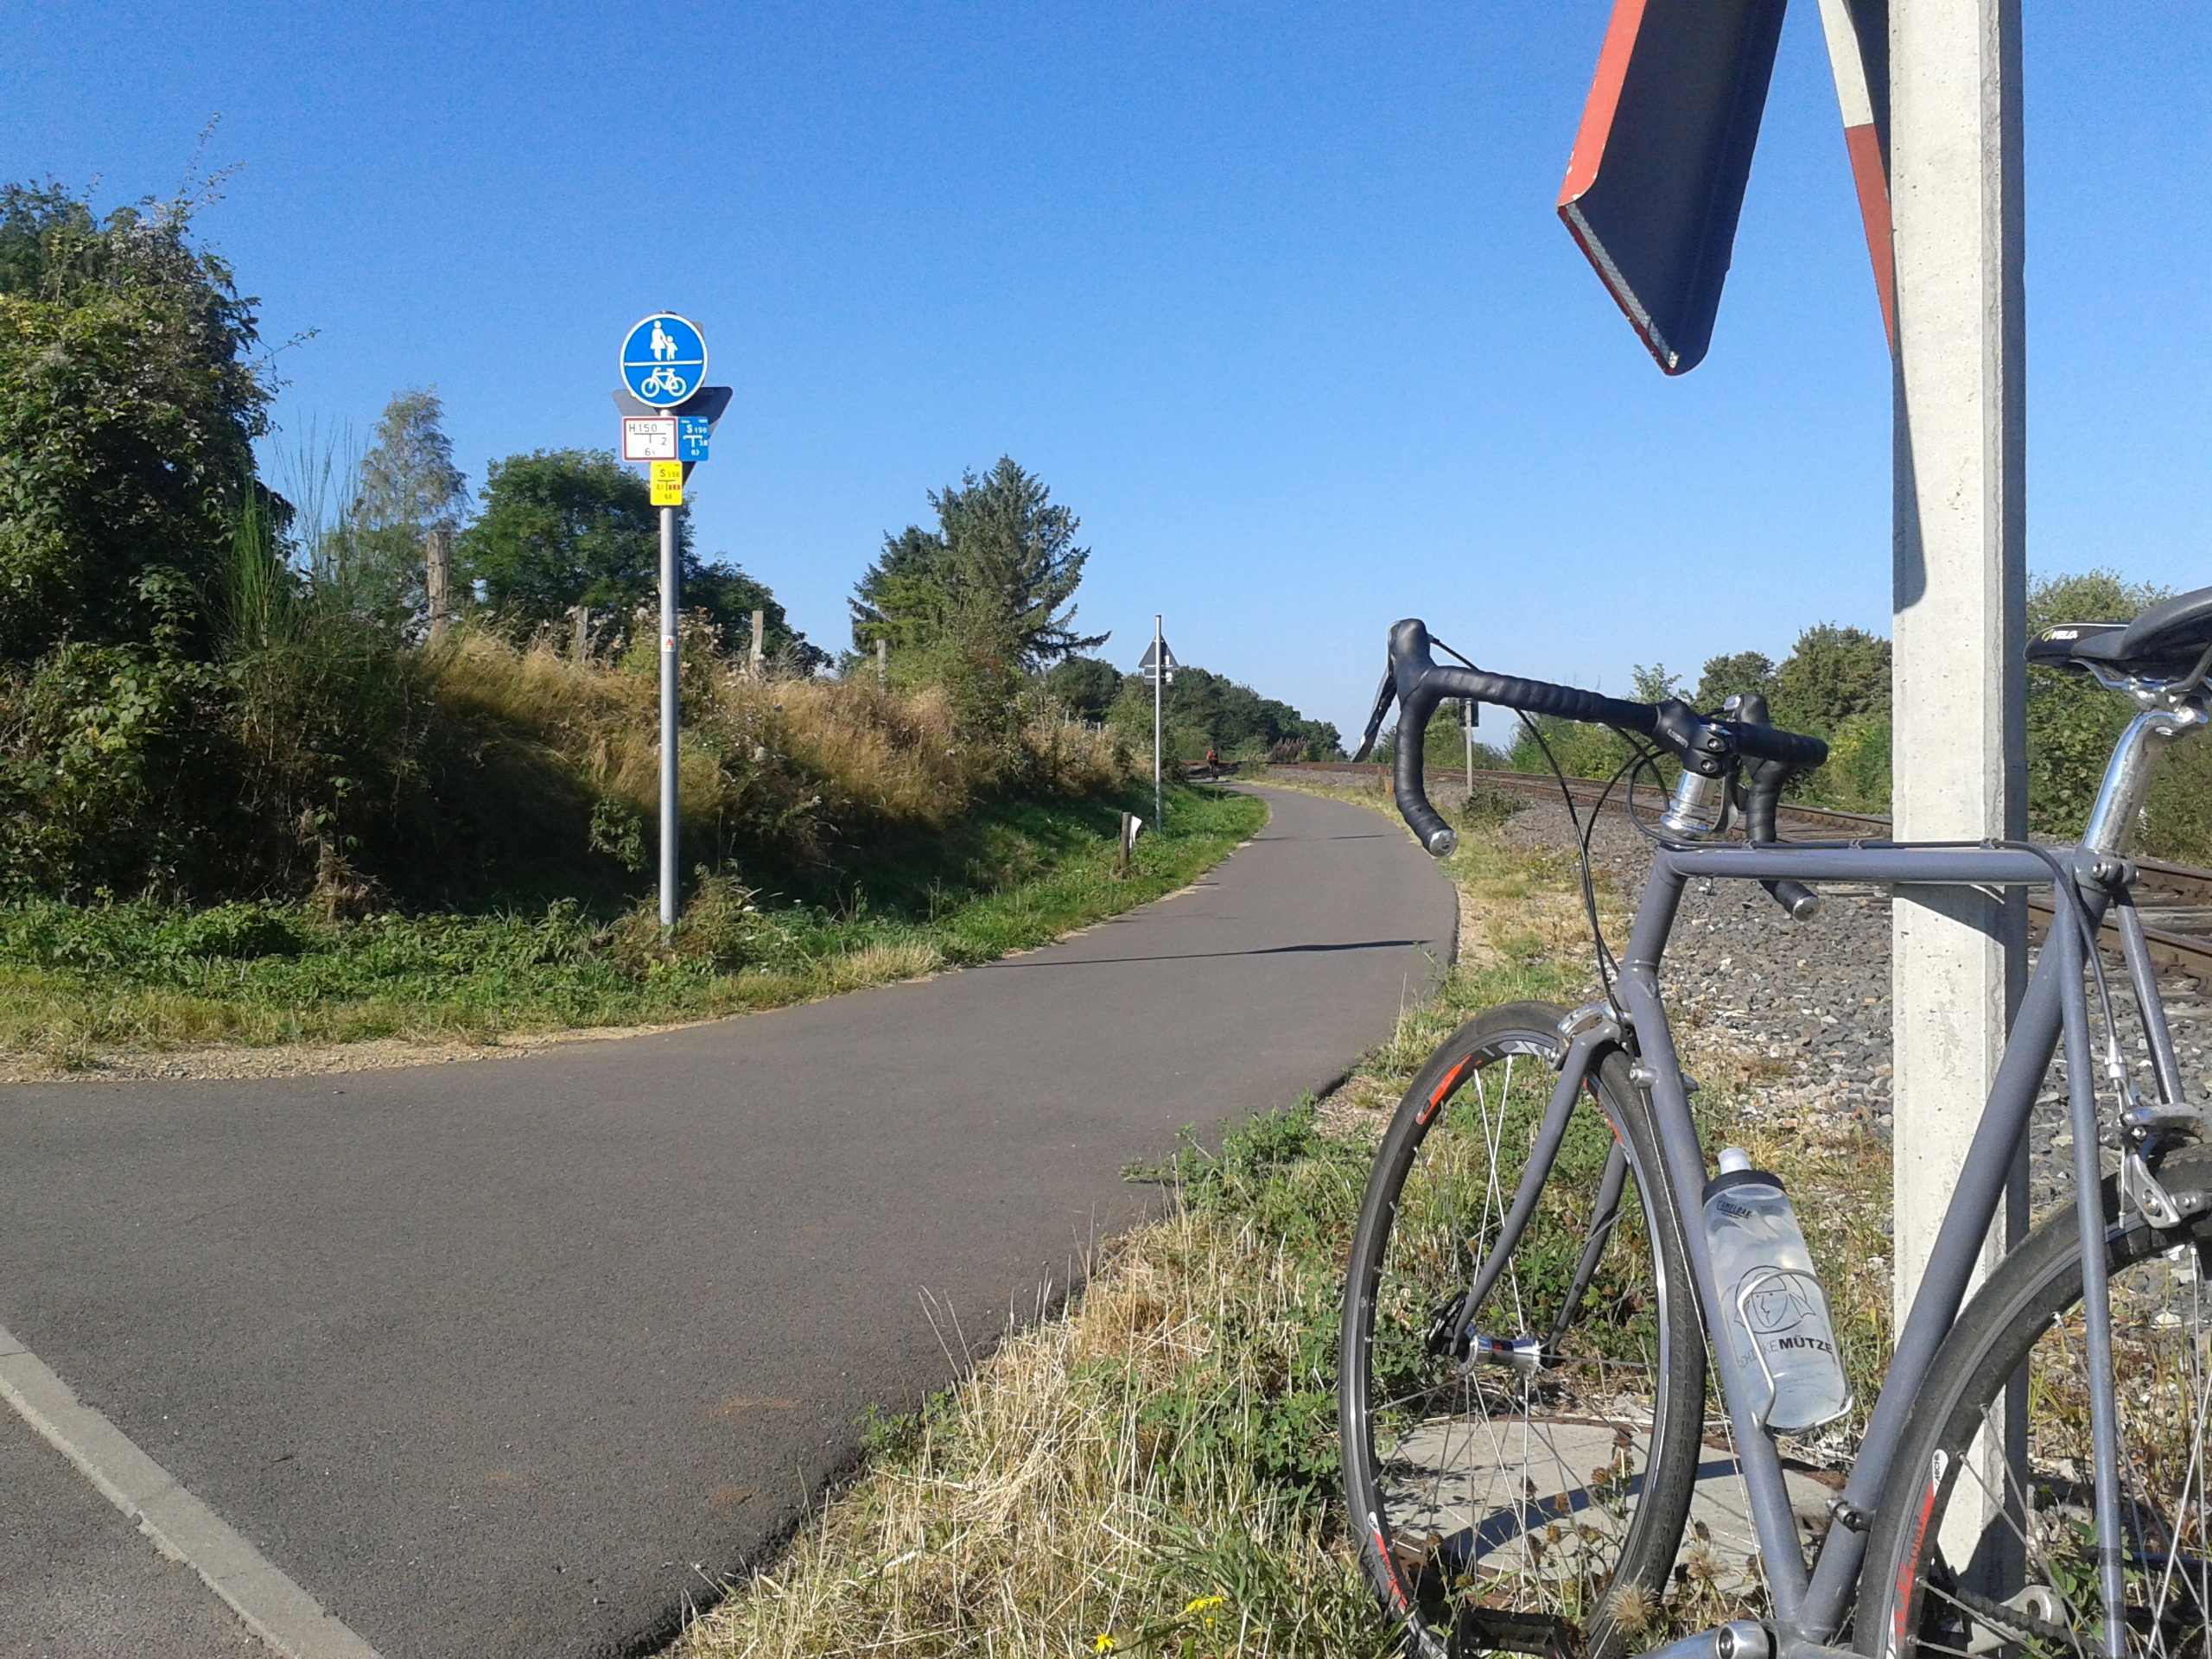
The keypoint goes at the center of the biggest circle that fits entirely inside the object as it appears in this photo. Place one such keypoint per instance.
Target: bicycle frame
(1810, 1603)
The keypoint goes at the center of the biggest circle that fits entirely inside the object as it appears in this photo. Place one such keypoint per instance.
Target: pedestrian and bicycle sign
(668, 414)
(663, 360)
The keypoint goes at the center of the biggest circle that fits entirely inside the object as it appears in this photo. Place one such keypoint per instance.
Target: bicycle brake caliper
(2147, 1133)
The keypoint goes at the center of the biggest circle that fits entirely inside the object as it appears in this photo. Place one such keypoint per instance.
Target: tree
(1087, 685)
(567, 527)
(2072, 721)
(1654, 683)
(1205, 709)
(561, 528)
(408, 487)
(1738, 673)
(995, 579)
(723, 591)
(128, 405)
(1832, 674)
(903, 599)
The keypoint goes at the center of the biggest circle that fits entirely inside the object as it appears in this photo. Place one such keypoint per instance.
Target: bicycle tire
(1905, 1585)
(1653, 1533)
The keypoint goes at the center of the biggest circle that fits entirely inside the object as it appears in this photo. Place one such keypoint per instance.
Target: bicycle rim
(1502, 1509)
(1978, 1557)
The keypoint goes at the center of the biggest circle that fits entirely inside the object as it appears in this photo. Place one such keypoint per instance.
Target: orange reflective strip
(1442, 1092)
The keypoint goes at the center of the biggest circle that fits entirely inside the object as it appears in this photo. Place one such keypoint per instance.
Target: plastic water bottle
(1756, 1242)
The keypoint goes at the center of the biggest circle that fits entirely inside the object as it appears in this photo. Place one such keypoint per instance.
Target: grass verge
(76, 982)
(1156, 1472)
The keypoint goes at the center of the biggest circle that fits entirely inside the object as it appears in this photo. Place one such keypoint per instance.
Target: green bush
(129, 400)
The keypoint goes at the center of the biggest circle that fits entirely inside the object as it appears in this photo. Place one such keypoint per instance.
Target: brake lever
(1384, 696)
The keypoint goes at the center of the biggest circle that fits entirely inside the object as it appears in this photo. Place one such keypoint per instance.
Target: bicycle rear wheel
(2019, 1571)
(1511, 1503)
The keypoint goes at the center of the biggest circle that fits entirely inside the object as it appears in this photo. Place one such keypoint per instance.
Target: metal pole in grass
(668, 665)
(1159, 679)
(1467, 725)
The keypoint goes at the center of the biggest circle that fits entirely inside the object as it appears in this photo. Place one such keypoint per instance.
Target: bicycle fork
(1594, 1028)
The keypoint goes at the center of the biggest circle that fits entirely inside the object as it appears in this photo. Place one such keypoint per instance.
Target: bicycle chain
(2011, 1619)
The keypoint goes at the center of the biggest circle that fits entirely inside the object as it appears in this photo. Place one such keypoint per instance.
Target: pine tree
(995, 579)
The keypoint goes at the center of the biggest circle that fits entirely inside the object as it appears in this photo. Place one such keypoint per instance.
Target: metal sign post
(1159, 667)
(668, 414)
(668, 667)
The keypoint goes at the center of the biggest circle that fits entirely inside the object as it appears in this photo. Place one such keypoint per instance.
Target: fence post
(580, 642)
(882, 661)
(760, 624)
(437, 579)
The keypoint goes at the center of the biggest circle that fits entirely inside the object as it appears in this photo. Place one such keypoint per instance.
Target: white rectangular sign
(649, 437)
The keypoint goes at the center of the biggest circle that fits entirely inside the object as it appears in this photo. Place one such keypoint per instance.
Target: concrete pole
(1960, 595)
(882, 661)
(1159, 679)
(760, 636)
(668, 667)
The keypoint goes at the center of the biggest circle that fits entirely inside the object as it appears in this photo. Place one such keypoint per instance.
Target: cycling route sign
(663, 360)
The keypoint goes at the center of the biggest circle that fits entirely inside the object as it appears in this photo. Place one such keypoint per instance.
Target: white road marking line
(274, 1608)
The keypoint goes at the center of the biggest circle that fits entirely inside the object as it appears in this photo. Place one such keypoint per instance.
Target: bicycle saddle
(2165, 643)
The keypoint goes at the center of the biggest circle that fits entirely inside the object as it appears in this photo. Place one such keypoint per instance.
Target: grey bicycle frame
(1810, 1603)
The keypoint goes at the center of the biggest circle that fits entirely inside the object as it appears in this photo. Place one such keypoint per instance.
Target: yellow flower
(1104, 1643)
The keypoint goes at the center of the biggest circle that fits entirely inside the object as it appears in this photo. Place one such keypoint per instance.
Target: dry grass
(841, 746)
(1040, 1508)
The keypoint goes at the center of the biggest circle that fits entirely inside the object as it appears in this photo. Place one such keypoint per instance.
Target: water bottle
(1771, 1304)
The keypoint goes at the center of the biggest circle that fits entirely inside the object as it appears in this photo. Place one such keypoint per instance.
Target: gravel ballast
(1814, 997)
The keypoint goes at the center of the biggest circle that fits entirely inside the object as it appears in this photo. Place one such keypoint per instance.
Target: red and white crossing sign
(1655, 183)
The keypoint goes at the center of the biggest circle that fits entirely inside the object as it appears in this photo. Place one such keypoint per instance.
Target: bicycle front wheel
(1525, 1491)
(1968, 1556)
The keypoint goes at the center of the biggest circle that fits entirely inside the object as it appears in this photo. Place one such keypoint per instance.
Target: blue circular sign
(664, 360)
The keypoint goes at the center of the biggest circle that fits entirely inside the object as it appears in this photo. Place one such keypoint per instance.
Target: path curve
(487, 1358)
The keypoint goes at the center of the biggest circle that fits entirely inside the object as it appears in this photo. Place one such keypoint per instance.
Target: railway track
(2175, 899)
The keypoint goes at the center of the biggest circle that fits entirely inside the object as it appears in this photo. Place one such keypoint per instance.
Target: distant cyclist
(1213, 764)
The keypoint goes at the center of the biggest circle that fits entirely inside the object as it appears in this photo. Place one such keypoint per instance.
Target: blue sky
(1274, 296)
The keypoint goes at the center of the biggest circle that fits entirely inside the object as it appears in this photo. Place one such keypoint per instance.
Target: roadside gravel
(1812, 1000)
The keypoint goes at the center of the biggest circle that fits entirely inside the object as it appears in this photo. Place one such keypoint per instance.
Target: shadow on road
(1195, 956)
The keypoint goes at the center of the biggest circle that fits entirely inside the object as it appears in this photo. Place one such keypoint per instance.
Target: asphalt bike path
(516, 1357)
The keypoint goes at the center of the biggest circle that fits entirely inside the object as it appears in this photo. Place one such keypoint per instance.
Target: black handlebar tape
(1765, 791)
(1422, 683)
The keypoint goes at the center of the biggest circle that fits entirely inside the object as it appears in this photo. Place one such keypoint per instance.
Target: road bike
(1532, 1303)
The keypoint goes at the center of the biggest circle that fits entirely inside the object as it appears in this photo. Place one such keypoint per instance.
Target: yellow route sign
(668, 483)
